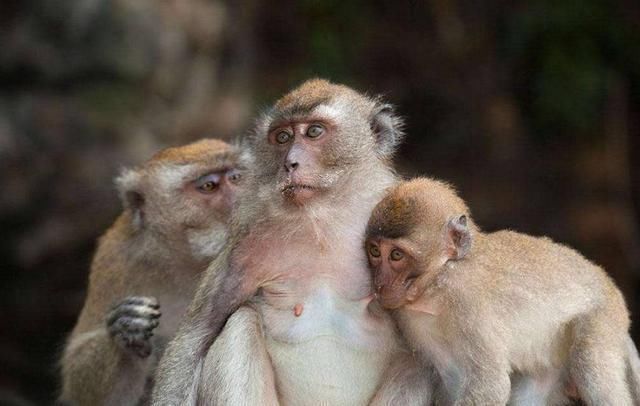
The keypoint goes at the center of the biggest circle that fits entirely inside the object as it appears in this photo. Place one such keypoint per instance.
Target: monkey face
(395, 270)
(302, 144)
(184, 195)
(412, 233)
(311, 143)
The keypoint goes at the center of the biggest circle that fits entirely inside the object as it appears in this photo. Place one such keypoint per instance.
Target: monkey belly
(334, 352)
(325, 371)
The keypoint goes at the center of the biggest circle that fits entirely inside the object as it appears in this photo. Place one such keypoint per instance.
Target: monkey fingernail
(297, 309)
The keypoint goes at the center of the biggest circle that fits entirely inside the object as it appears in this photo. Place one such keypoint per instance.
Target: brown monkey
(478, 306)
(320, 164)
(176, 208)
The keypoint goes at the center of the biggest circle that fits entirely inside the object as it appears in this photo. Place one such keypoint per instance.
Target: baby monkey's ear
(129, 185)
(458, 237)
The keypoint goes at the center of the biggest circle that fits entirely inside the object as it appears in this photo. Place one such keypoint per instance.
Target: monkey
(291, 288)
(174, 222)
(479, 306)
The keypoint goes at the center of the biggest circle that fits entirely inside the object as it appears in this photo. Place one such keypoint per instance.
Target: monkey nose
(290, 166)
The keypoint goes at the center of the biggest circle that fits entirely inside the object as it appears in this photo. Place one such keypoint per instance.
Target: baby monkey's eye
(208, 183)
(282, 137)
(396, 255)
(314, 131)
(374, 250)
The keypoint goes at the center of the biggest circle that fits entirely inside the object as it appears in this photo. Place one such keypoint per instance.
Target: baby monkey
(502, 317)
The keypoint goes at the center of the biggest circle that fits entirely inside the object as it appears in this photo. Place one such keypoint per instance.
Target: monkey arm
(237, 369)
(485, 371)
(220, 293)
(97, 371)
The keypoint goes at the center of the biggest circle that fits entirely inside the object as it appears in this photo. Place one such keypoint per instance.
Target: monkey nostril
(291, 166)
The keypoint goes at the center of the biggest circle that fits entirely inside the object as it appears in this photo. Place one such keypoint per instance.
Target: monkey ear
(458, 237)
(130, 189)
(387, 127)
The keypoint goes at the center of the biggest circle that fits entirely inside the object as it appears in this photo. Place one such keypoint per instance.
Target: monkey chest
(326, 349)
(301, 315)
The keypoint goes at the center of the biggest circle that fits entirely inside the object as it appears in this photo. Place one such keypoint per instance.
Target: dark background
(532, 108)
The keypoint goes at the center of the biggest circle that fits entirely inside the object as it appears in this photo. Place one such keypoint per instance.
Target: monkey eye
(374, 250)
(396, 255)
(233, 176)
(282, 137)
(208, 183)
(314, 131)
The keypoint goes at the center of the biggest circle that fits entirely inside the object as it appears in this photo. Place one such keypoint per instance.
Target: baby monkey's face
(395, 269)
(413, 232)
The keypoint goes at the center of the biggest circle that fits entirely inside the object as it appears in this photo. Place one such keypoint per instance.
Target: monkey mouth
(295, 187)
(299, 192)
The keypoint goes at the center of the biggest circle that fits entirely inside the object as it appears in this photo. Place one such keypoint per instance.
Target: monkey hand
(131, 322)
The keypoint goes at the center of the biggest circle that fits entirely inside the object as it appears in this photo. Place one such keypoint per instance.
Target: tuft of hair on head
(193, 153)
(393, 217)
(412, 202)
(309, 94)
(435, 196)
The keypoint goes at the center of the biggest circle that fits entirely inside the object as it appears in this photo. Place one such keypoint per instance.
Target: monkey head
(314, 138)
(182, 197)
(417, 228)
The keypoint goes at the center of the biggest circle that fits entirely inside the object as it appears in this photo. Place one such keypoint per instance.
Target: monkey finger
(129, 325)
(132, 311)
(140, 301)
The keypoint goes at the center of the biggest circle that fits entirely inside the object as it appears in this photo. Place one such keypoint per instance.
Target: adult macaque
(320, 164)
(176, 209)
(478, 306)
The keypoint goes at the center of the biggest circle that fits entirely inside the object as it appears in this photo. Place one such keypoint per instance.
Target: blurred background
(532, 108)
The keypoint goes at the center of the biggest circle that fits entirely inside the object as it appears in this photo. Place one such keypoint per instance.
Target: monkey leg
(405, 382)
(237, 369)
(598, 362)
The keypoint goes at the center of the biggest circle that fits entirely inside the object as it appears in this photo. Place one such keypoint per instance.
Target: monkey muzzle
(392, 291)
(392, 296)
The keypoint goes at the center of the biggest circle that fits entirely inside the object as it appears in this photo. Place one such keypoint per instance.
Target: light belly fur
(334, 353)
(326, 371)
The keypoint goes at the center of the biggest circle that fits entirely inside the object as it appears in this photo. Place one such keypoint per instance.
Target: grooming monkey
(309, 336)
(478, 306)
(176, 209)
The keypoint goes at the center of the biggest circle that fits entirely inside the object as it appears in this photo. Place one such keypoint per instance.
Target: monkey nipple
(297, 309)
